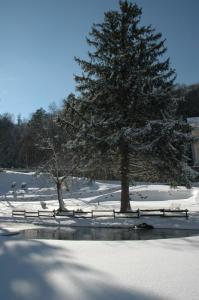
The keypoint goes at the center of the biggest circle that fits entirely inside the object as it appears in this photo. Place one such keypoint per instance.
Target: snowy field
(96, 270)
(87, 195)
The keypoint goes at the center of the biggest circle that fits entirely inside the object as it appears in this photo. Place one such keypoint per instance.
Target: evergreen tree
(7, 141)
(89, 160)
(127, 101)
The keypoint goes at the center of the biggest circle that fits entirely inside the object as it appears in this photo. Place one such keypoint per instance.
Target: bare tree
(59, 166)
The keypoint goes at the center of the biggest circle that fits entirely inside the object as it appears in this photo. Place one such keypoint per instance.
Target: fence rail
(104, 213)
(37, 213)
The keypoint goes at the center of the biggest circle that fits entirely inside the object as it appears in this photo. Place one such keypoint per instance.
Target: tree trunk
(59, 195)
(125, 199)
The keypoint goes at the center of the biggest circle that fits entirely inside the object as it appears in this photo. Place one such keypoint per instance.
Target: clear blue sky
(39, 39)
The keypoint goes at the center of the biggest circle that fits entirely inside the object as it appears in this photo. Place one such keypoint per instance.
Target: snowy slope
(88, 195)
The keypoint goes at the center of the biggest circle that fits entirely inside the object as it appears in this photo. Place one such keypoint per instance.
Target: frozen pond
(105, 234)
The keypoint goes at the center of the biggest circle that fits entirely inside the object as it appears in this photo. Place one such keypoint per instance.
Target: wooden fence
(104, 213)
(37, 213)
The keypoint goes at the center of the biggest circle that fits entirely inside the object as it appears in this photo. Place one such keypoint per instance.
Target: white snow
(74, 270)
(96, 270)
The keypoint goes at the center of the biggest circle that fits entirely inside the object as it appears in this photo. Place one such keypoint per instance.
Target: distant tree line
(20, 140)
(189, 107)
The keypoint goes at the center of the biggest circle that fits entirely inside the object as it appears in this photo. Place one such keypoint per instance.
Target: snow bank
(8, 177)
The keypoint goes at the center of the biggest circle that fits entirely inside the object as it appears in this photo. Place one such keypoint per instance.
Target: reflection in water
(106, 234)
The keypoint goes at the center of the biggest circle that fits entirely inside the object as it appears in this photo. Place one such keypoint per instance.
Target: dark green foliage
(190, 106)
(128, 99)
(161, 146)
(7, 141)
(20, 144)
(11, 136)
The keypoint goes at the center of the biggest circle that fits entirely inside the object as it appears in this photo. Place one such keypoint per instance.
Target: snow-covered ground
(74, 270)
(98, 195)
(96, 270)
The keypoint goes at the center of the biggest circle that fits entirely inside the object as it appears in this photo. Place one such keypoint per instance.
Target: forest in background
(19, 139)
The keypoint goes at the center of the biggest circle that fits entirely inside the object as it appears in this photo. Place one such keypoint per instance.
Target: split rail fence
(104, 213)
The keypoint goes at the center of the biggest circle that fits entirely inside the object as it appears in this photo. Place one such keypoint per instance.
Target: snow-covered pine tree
(126, 85)
(91, 164)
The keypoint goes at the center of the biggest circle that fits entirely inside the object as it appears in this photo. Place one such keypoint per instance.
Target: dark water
(104, 234)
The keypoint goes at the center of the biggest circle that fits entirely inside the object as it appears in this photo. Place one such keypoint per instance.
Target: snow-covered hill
(86, 195)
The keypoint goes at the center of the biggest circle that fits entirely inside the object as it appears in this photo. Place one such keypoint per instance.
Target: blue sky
(39, 39)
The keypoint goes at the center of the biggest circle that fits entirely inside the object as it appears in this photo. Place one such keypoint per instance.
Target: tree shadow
(34, 269)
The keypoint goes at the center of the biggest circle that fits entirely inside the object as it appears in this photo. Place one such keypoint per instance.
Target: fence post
(138, 212)
(113, 213)
(186, 210)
